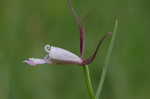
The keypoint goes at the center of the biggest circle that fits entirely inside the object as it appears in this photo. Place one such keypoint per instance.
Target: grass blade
(106, 63)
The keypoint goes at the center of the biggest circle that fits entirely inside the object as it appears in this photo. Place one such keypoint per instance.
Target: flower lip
(35, 61)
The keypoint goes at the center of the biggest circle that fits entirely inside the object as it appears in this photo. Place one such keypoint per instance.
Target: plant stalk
(88, 81)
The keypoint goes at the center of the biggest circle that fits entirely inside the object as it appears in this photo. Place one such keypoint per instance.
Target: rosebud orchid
(56, 55)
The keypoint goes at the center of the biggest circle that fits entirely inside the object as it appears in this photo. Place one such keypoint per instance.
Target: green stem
(106, 63)
(88, 81)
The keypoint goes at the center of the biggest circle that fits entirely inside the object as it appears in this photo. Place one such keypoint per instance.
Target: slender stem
(106, 63)
(88, 81)
(81, 28)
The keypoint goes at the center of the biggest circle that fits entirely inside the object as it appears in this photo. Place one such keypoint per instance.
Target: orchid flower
(56, 55)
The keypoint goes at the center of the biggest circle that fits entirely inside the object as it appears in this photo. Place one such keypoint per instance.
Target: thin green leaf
(106, 63)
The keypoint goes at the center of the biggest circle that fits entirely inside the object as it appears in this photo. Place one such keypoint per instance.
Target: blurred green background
(27, 25)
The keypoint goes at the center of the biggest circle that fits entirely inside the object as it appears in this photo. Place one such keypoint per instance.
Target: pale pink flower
(56, 55)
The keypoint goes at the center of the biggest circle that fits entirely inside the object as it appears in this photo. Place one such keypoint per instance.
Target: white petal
(59, 54)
